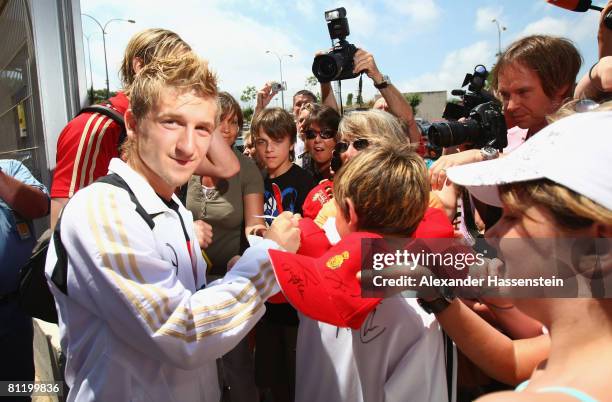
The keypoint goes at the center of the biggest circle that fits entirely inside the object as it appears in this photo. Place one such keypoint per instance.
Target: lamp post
(280, 66)
(499, 31)
(103, 28)
(91, 96)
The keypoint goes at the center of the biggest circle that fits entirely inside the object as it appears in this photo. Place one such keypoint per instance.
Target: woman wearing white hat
(558, 185)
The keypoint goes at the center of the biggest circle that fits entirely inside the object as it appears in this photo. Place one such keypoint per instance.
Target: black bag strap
(35, 298)
(449, 352)
(60, 271)
(116, 180)
(112, 114)
(59, 276)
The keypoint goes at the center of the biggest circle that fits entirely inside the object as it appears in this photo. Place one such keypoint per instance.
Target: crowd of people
(183, 268)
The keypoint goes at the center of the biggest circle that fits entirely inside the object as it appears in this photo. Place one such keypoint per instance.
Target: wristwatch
(445, 298)
(384, 83)
(435, 306)
(488, 153)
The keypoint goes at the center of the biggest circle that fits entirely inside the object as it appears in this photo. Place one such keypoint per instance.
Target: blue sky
(420, 44)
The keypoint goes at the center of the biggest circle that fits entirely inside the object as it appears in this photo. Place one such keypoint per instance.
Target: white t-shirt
(399, 353)
(396, 355)
(326, 369)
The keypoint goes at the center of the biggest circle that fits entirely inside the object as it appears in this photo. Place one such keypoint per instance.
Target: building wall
(58, 48)
(42, 80)
(432, 105)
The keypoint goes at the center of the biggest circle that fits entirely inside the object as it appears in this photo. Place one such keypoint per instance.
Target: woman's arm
(253, 206)
(497, 355)
(512, 320)
(220, 160)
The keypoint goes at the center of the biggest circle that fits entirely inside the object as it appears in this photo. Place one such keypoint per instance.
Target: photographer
(532, 78)
(394, 101)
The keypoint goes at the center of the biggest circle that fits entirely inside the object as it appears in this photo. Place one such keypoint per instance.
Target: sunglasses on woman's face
(359, 145)
(326, 134)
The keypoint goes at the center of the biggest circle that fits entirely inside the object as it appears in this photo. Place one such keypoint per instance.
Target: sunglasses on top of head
(359, 145)
(325, 134)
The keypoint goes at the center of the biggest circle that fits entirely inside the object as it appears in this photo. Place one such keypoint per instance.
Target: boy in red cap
(395, 351)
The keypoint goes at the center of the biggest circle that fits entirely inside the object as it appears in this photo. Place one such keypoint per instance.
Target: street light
(499, 31)
(103, 28)
(91, 96)
(280, 66)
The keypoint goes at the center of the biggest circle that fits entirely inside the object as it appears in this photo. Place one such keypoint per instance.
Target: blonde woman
(358, 131)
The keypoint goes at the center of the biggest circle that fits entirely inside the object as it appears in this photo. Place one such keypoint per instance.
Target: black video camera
(484, 123)
(338, 63)
(474, 96)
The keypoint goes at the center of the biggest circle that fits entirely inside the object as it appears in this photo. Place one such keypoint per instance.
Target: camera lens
(450, 133)
(326, 67)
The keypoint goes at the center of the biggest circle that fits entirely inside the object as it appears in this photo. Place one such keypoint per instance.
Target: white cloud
(454, 67)
(363, 20)
(583, 29)
(547, 26)
(485, 16)
(235, 45)
(417, 10)
(394, 22)
(306, 7)
(540, 7)
(234, 41)
(228, 34)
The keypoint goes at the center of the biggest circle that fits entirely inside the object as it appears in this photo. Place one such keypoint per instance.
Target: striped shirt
(136, 321)
(85, 147)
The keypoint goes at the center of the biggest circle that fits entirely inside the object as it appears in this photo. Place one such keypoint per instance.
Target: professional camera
(484, 126)
(338, 63)
(483, 122)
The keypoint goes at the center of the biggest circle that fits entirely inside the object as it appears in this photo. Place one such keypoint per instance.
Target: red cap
(316, 198)
(313, 243)
(325, 288)
(435, 224)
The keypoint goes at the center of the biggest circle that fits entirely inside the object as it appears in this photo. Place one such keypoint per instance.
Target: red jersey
(84, 149)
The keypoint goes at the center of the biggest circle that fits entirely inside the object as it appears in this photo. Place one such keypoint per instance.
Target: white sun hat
(575, 152)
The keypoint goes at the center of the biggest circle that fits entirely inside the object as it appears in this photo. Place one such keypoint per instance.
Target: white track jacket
(134, 325)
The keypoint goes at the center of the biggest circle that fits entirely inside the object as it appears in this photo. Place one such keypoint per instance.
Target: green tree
(359, 99)
(415, 100)
(249, 94)
(98, 95)
(247, 113)
(349, 99)
(312, 82)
